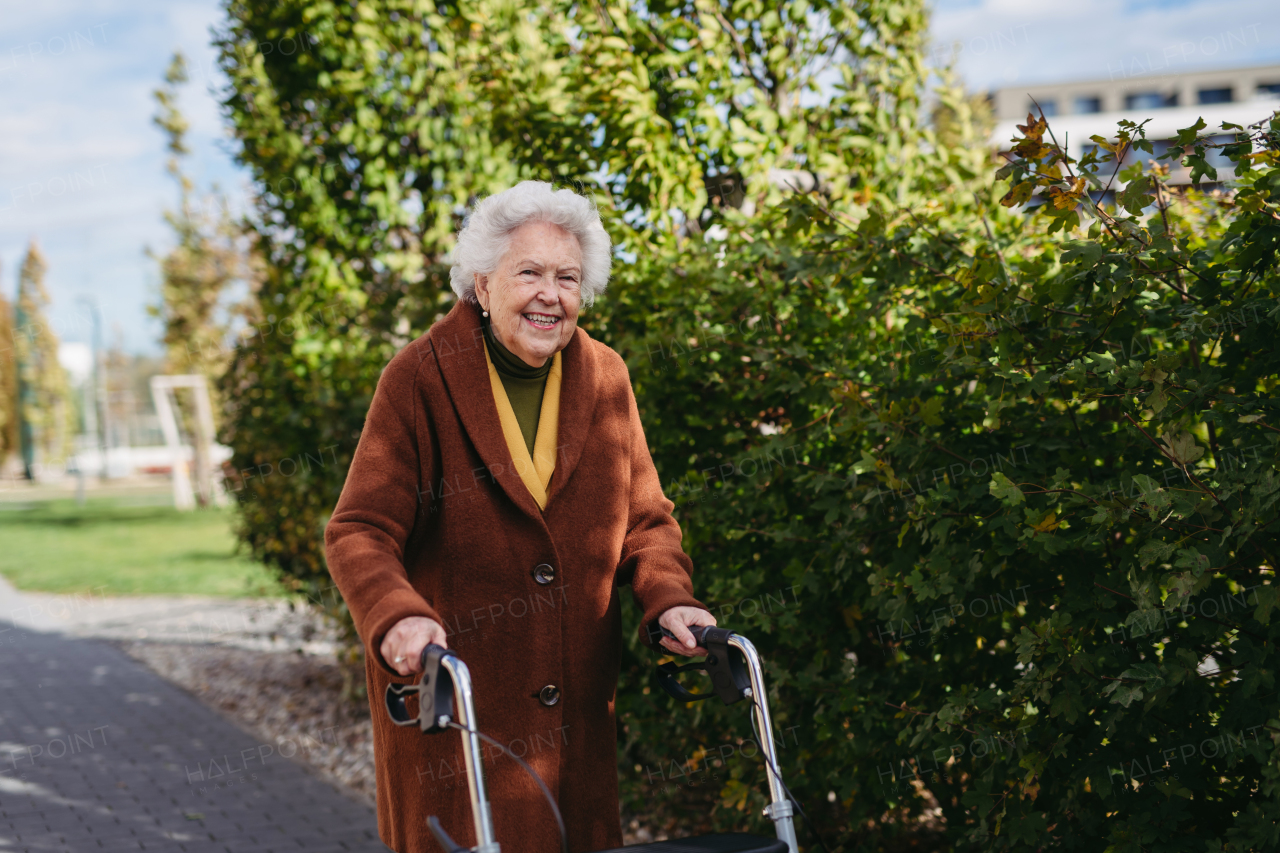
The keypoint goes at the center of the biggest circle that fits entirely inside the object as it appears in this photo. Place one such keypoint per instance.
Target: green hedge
(972, 479)
(1021, 496)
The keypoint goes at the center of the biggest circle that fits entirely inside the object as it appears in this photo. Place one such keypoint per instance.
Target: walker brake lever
(728, 673)
(434, 691)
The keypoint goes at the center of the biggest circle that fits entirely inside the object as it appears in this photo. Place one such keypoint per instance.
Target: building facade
(1078, 110)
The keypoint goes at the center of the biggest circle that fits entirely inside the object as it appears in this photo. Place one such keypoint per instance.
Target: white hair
(486, 236)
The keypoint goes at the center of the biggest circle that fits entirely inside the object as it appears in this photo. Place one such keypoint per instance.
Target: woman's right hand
(403, 645)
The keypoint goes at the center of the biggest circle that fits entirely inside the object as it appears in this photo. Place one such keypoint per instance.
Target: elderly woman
(501, 494)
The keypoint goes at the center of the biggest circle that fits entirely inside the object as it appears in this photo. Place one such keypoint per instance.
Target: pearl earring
(486, 313)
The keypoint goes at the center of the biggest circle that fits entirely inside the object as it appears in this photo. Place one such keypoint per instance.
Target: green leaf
(1187, 135)
(1005, 490)
(1268, 597)
(1156, 400)
(1154, 551)
(1146, 672)
(1181, 447)
(1066, 704)
(1136, 195)
(1087, 251)
(1123, 694)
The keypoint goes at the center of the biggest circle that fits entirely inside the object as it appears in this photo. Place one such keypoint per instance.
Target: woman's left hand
(677, 620)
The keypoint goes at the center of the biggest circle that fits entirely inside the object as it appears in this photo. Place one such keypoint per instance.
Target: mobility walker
(444, 692)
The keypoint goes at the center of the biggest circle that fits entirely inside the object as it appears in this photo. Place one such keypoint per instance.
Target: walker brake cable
(546, 792)
(777, 774)
(435, 714)
(730, 678)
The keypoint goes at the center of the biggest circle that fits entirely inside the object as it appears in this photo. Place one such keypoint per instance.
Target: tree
(8, 384)
(209, 260)
(370, 130)
(43, 396)
(368, 139)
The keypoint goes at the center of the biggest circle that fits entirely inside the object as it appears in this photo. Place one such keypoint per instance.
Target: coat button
(549, 695)
(544, 574)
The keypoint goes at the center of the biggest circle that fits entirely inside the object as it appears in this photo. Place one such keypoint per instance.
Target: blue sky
(82, 166)
(997, 43)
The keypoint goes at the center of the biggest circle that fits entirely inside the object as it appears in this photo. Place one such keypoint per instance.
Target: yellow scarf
(535, 473)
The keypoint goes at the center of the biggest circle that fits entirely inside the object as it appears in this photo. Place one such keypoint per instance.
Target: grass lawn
(123, 546)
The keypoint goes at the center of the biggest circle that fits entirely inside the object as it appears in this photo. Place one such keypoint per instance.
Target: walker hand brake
(728, 673)
(434, 691)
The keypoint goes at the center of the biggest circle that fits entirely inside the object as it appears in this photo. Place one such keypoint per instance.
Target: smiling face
(533, 296)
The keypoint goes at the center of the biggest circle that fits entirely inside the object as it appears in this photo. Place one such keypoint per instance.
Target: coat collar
(458, 343)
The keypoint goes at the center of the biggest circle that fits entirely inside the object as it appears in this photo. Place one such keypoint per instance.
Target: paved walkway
(97, 753)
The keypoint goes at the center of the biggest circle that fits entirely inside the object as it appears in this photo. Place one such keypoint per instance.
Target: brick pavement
(97, 753)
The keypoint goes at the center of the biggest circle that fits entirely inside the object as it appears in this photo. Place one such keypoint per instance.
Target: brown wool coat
(433, 521)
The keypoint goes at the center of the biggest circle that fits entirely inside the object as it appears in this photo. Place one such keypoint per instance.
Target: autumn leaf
(1048, 524)
(1032, 149)
(1102, 142)
(1067, 199)
(1034, 128)
(1020, 194)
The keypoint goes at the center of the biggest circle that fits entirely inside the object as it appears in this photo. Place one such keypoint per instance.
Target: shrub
(1018, 475)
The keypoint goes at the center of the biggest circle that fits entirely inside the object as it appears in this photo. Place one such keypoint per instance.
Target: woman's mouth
(542, 321)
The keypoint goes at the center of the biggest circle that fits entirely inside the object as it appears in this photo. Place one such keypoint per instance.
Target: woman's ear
(482, 290)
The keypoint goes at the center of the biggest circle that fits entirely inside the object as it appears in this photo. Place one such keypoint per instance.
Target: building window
(1088, 104)
(1272, 89)
(1216, 157)
(1158, 148)
(1214, 96)
(1149, 100)
(1048, 105)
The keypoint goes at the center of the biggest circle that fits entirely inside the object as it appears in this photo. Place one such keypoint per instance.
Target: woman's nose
(548, 289)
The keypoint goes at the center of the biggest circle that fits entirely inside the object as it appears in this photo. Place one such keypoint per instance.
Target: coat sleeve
(658, 570)
(365, 539)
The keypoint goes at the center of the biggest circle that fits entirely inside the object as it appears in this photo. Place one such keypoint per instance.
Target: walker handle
(698, 631)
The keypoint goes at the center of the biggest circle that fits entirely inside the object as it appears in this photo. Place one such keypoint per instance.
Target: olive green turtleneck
(524, 384)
